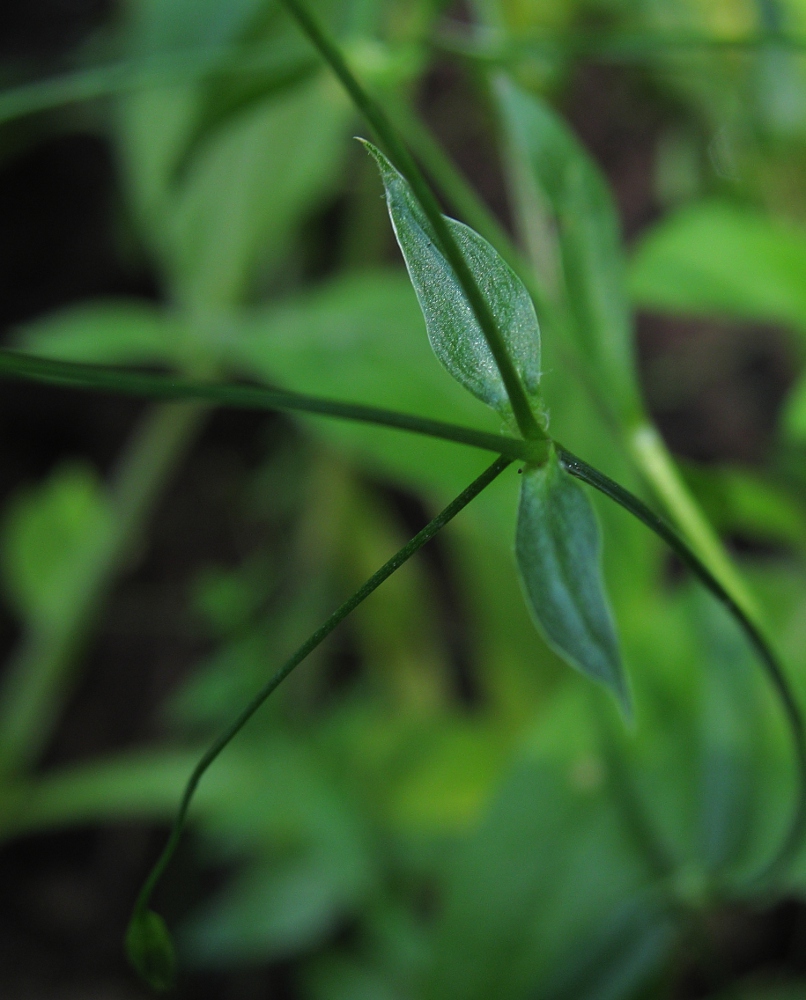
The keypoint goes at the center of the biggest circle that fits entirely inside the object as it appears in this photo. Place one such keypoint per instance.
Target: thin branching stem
(491, 48)
(324, 630)
(793, 837)
(170, 387)
(406, 164)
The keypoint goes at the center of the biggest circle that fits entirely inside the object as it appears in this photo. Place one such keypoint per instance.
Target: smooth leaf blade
(454, 332)
(558, 552)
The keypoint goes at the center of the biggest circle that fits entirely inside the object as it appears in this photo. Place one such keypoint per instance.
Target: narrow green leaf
(557, 548)
(150, 950)
(453, 330)
(247, 187)
(550, 161)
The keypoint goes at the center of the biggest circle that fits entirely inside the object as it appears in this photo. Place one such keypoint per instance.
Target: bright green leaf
(248, 185)
(453, 330)
(552, 164)
(51, 538)
(150, 950)
(715, 258)
(557, 548)
(115, 332)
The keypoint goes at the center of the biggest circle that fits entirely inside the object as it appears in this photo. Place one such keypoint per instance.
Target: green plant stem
(652, 457)
(794, 835)
(404, 162)
(192, 64)
(38, 679)
(169, 387)
(324, 630)
(645, 46)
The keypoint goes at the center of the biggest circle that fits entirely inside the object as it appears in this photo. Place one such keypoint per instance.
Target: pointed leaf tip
(557, 548)
(453, 330)
(151, 950)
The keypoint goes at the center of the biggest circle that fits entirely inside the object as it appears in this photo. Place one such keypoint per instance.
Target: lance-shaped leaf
(453, 330)
(557, 548)
(548, 157)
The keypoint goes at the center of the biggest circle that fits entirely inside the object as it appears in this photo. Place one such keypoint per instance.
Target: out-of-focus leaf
(171, 25)
(115, 333)
(795, 412)
(620, 956)
(361, 338)
(558, 550)
(155, 125)
(247, 186)
(342, 978)
(551, 161)
(51, 538)
(312, 862)
(740, 502)
(267, 913)
(151, 950)
(453, 330)
(528, 888)
(716, 258)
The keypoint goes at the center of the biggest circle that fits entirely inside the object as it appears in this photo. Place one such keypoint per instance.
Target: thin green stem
(797, 828)
(39, 676)
(404, 161)
(648, 450)
(169, 387)
(181, 66)
(495, 49)
(393, 564)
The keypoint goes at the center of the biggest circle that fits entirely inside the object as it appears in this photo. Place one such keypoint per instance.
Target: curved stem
(170, 387)
(304, 650)
(773, 669)
(404, 161)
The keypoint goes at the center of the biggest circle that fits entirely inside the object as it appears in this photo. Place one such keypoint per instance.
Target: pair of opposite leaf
(557, 539)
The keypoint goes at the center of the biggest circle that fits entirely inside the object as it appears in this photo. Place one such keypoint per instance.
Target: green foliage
(52, 539)
(514, 841)
(453, 329)
(555, 181)
(151, 951)
(557, 547)
(716, 258)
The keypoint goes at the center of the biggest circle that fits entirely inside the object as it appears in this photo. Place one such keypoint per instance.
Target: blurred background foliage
(433, 806)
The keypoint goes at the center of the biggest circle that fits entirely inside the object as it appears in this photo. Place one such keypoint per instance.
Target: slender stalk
(641, 443)
(170, 387)
(388, 568)
(494, 49)
(404, 161)
(181, 66)
(649, 451)
(39, 677)
(797, 828)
